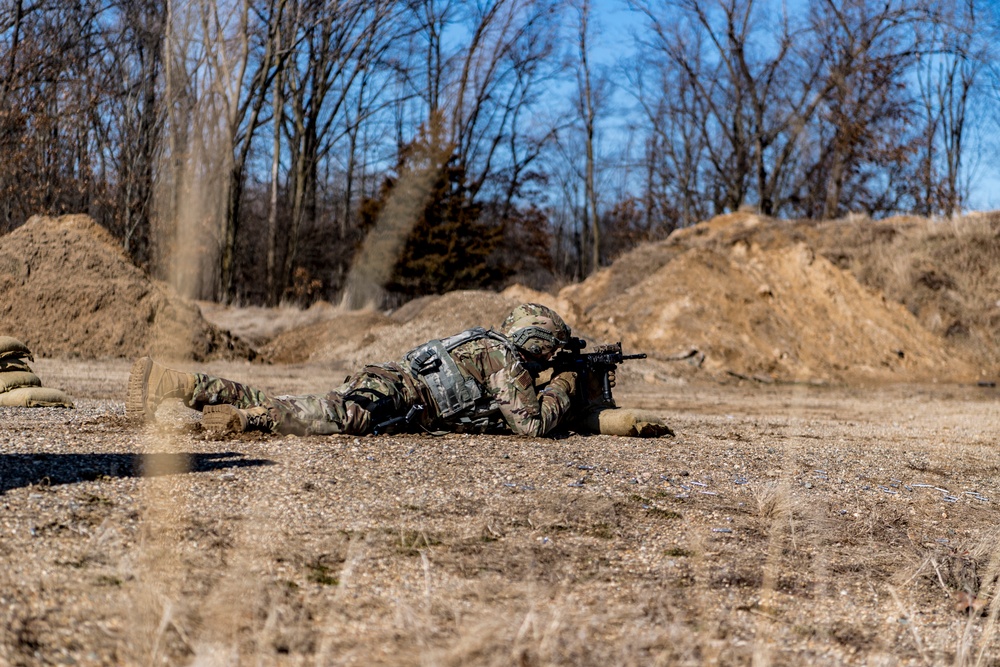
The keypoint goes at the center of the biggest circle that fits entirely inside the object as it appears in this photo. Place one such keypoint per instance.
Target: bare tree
(22, 56)
(947, 72)
(486, 83)
(586, 108)
(676, 151)
(277, 120)
(134, 113)
(50, 83)
(866, 110)
(749, 103)
(744, 107)
(218, 119)
(229, 82)
(245, 102)
(337, 50)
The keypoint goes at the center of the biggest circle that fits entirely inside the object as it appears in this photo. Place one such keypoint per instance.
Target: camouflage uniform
(476, 380)
(507, 388)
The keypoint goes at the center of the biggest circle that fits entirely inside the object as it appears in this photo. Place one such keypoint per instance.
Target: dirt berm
(747, 297)
(67, 290)
(742, 296)
(905, 299)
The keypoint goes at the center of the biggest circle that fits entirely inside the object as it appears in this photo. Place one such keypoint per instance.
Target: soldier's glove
(566, 381)
(611, 378)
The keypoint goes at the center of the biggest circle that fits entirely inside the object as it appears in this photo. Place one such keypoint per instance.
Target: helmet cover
(536, 330)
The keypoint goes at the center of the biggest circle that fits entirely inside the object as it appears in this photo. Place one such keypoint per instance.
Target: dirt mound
(946, 273)
(258, 325)
(332, 340)
(747, 296)
(771, 314)
(904, 299)
(355, 338)
(569, 310)
(67, 290)
(771, 299)
(437, 316)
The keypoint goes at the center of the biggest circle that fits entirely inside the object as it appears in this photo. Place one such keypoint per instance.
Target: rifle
(599, 363)
(401, 420)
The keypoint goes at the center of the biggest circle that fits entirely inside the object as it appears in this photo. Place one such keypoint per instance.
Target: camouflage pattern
(500, 372)
(302, 415)
(536, 330)
(452, 392)
(380, 392)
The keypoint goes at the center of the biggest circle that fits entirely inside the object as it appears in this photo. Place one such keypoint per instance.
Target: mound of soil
(259, 325)
(436, 316)
(331, 340)
(945, 272)
(905, 299)
(761, 298)
(355, 338)
(746, 296)
(67, 290)
(777, 314)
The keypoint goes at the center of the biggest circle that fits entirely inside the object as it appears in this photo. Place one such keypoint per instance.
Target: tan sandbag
(13, 364)
(15, 379)
(12, 348)
(35, 397)
(626, 422)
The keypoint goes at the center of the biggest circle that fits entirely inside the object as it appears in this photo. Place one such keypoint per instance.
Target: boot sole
(223, 419)
(136, 399)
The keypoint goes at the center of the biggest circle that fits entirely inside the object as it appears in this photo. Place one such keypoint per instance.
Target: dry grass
(783, 525)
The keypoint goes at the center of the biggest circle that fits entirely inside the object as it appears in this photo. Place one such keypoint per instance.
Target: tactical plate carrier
(458, 398)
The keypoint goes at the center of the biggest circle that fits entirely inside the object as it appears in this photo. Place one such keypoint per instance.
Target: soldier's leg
(229, 419)
(301, 415)
(211, 390)
(375, 395)
(151, 383)
(319, 415)
(354, 409)
(231, 406)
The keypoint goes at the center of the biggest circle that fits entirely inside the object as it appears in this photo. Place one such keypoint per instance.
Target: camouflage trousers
(355, 408)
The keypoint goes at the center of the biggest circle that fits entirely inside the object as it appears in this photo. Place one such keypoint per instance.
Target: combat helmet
(536, 330)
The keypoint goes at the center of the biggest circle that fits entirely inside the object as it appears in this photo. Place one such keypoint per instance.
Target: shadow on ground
(17, 470)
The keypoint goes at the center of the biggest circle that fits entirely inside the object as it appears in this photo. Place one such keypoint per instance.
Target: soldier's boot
(149, 384)
(230, 419)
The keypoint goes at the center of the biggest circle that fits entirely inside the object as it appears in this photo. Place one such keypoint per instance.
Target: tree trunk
(272, 214)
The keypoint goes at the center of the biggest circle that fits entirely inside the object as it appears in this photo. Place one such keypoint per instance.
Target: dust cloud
(384, 244)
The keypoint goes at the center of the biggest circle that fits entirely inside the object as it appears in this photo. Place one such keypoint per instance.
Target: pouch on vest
(452, 392)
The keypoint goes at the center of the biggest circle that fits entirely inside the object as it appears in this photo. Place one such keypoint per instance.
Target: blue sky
(613, 40)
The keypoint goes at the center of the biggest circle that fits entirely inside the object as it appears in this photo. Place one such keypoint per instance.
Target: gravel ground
(783, 525)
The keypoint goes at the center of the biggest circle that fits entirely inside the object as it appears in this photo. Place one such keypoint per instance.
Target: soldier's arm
(525, 411)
